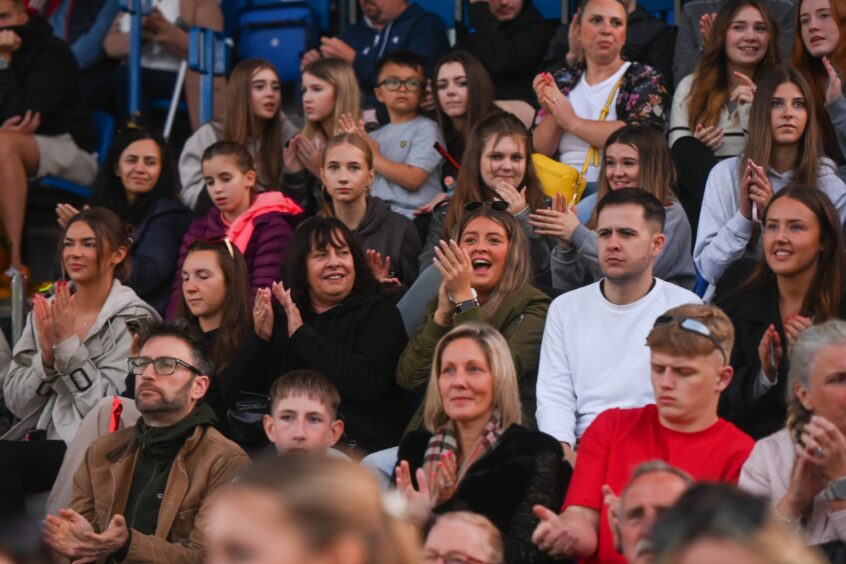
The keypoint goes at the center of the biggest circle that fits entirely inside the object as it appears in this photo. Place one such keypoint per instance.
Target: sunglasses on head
(692, 326)
(499, 205)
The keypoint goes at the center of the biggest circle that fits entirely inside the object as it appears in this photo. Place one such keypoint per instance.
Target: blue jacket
(84, 26)
(157, 239)
(414, 30)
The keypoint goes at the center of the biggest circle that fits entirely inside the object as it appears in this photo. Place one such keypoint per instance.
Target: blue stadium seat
(105, 125)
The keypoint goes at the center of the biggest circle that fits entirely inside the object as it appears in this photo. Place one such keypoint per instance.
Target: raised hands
(301, 153)
(824, 447)
(575, 52)
(380, 268)
(292, 312)
(62, 312)
(334, 47)
(793, 326)
(290, 155)
(755, 191)
(558, 221)
(64, 213)
(263, 314)
(706, 22)
(770, 353)
(41, 314)
(516, 198)
(348, 124)
(835, 85)
(745, 91)
(456, 272)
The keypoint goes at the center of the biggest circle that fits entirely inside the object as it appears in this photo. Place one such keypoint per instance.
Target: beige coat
(202, 13)
(102, 483)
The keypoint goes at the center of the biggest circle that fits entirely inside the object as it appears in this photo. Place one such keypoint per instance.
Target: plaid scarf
(446, 440)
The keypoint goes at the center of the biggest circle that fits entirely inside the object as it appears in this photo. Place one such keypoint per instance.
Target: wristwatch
(461, 307)
(836, 490)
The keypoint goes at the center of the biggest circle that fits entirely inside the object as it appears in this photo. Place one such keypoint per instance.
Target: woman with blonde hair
(474, 444)
(308, 508)
(801, 468)
(485, 278)
(329, 91)
(253, 117)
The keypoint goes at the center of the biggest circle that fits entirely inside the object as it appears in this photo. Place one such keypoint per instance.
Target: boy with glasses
(408, 166)
(141, 492)
(690, 346)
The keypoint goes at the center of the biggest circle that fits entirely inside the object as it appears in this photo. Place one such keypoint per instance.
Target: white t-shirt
(153, 55)
(594, 356)
(588, 102)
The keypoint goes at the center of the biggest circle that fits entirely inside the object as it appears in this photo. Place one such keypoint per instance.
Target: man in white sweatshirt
(594, 355)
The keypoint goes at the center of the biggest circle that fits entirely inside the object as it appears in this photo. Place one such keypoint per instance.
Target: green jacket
(520, 319)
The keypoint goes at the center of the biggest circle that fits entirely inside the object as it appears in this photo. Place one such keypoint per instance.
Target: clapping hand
(516, 198)
(835, 85)
(41, 314)
(381, 269)
(551, 535)
(755, 190)
(612, 502)
(560, 221)
(793, 327)
(263, 314)
(706, 23)
(62, 312)
(290, 155)
(770, 341)
(72, 536)
(292, 312)
(310, 154)
(824, 446)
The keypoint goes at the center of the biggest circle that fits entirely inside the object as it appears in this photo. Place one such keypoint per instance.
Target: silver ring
(449, 485)
(820, 452)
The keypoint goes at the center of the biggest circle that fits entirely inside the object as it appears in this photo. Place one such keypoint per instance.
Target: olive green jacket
(520, 319)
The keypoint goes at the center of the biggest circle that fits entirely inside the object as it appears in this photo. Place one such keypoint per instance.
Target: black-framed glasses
(394, 84)
(163, 365)
(693, 326)
(499, 205)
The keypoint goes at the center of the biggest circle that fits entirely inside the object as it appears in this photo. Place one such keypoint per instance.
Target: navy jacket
(415, 30)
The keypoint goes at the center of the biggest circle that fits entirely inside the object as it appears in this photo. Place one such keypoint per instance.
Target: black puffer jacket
(511, 50)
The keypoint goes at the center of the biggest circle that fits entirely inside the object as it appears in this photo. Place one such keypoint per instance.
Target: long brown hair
(709, 92)
(110, 234)
(341, 76)
(759, 145)
(479, 99)
(242, 126)
(657, 172)
(236, 322)
(518, 265)
(823, 298)
(470, 187)
(812, 69)
(356, 141)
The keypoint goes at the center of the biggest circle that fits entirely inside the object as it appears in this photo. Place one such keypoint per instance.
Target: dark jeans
(694, 161)
(25, 468)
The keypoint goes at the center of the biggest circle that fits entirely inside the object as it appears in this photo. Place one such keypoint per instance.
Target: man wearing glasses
(690, 346)
(140, 493)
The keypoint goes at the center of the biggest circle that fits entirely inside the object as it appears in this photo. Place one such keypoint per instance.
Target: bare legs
(18, 161)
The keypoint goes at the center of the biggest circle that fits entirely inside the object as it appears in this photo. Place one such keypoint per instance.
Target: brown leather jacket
(101, 488)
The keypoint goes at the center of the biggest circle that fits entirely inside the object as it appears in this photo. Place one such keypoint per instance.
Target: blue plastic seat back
(279, 33)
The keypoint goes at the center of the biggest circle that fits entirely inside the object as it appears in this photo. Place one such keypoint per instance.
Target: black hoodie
(43, 77)
(392, 235)
(511, 51)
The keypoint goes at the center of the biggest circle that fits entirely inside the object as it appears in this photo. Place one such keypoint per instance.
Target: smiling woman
(332, 320)
(485, 278)
(787, 293)
(474, 444)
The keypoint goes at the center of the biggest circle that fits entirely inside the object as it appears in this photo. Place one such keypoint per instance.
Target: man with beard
(593, 356)
(387, 25)
(140, 493)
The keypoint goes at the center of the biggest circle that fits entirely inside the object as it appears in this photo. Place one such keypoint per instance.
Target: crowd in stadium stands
(536, 293)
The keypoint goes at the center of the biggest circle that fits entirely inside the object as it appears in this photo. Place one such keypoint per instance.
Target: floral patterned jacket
(643, 97)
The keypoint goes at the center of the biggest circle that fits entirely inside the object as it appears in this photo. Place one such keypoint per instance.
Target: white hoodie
(57, 399)
(724, 233)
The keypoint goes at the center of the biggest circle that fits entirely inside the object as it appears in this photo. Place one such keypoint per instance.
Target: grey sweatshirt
(724, 233)
(579, 266)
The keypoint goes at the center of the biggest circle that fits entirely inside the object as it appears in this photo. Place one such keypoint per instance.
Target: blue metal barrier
(208, 55)
(137, 9)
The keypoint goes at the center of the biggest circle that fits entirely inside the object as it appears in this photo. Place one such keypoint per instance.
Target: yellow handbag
(559, 178)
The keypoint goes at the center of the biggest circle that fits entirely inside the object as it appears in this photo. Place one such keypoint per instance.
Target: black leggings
(25, 468)
(694, 161)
